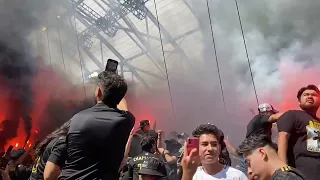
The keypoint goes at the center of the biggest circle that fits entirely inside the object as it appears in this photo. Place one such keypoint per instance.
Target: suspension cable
(37, 41)
(164, 61)
(63, 61)
(247, 54)
(75, 31)
(216, 54)
(48, 46)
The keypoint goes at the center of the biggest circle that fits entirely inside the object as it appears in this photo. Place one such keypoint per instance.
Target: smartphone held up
(112, 66)
(192, 143)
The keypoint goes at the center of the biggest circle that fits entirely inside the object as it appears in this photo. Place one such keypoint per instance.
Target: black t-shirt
(288, 173)
(135, 146)
(173, 167)
(55, 152)
(259, 125)
(137, 161)
(20, 173)
(304, 144)
(96, 143)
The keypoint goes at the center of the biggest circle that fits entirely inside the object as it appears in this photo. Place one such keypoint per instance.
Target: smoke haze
(33, 94)
(282, 42)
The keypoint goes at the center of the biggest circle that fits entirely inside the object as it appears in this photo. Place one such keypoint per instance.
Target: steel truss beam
(157, 62)
(127, 66)
(71, 30)
(192, 11)
(70, 55)
(184, 35)
(136, 7)
(167, 35)
(106, 23)
(140, 33)
(141, 36)
(112, 49)
(82, 46)
(124, 63)
(91, 17)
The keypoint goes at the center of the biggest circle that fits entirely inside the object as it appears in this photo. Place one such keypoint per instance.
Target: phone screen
(112, 65)
(192, 143)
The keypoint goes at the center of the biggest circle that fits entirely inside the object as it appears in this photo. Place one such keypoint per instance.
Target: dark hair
(147, 143)
(16, 154)
(59, 132)
(208, 129)
(309, 87)
(153, 134)
(113, 86)
(254, 142)
(144, 123)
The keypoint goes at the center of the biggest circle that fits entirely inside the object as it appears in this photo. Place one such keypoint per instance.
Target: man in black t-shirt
(55, 152)
(97, 136)
(262, 123)
(135, 147)
(170, 157)
(144, 130)
(148, 145)
(263, 162)
(298, 138)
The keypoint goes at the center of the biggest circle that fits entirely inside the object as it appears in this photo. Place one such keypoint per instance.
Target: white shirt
(227, 173)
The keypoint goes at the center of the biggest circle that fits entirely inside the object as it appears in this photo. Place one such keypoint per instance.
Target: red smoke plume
(48, 85)
(293, 76)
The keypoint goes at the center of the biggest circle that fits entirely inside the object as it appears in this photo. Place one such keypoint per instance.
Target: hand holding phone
(191, 159)
(192, 143)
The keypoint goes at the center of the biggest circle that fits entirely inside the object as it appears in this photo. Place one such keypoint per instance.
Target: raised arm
(274, 117)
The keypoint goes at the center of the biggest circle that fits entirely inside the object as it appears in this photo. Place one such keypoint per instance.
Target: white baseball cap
(266, 107)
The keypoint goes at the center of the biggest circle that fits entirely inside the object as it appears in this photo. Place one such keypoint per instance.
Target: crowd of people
(99, 144)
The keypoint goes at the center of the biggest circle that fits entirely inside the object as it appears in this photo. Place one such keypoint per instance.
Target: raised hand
(190, 163)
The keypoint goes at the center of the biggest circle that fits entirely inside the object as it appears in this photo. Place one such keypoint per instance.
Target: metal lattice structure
(106, 22)
(136, 7)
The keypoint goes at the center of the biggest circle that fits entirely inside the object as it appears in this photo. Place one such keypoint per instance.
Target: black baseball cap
(144, 123)
(171, 141)
(183, 136)
(153, 167)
